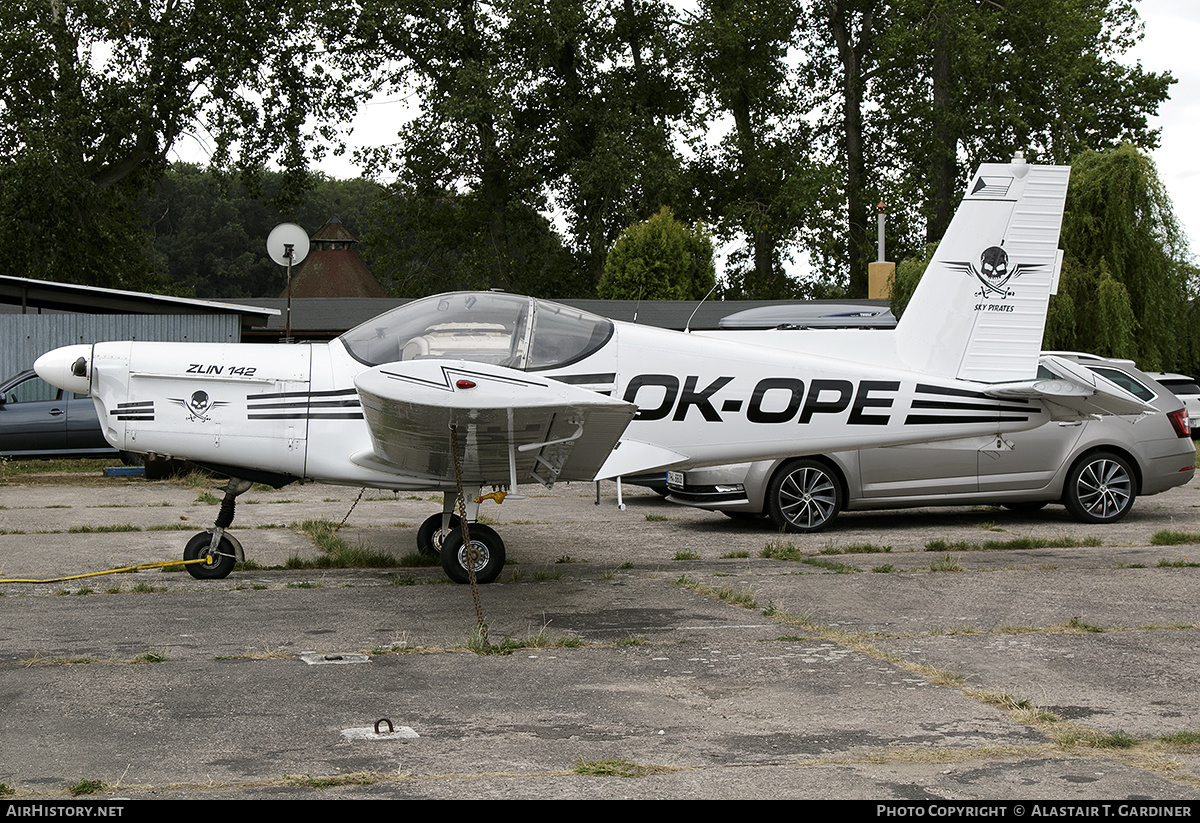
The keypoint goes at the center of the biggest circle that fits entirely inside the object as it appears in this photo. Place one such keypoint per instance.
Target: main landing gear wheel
(220, 563)
(430, 535)
(486, 551)
(804, 496)
(1100, 489)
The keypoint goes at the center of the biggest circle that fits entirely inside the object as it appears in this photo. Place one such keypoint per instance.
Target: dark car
(38, 420)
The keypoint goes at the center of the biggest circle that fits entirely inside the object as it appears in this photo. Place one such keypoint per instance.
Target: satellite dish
(282, 237)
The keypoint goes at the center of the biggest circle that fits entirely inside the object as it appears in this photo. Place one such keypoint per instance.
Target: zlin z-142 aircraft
(465, 391)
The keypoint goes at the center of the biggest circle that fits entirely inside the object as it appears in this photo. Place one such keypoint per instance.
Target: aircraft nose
(68, 368)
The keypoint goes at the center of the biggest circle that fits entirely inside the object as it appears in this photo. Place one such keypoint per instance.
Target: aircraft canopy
(486, 327)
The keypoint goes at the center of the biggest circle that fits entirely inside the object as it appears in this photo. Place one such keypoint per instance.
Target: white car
(1187, 390)
(1095, 467)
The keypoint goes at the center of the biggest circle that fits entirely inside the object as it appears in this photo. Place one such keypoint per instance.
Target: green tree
(525, 104)
(759, 181)
(98, 93)
(474, 146)
(425, 242)
(611, 97)
(1126, 270)
(841, 37)
(208, 235)
(905, 278)
(961, 82)
(660, 259)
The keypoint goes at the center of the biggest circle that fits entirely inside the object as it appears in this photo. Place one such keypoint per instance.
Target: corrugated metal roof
(27, 293)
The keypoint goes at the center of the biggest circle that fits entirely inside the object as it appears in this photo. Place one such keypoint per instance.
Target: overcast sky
(1172, 36)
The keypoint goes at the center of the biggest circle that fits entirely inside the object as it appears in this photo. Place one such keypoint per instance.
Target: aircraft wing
(1074, 392)
(511, 426)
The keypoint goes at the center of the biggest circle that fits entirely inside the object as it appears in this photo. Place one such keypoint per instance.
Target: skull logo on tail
(994, 272)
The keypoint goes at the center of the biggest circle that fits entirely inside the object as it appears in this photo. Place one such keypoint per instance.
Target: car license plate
(675, 480)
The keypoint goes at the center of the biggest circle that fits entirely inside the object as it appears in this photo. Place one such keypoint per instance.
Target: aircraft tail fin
(980, 308)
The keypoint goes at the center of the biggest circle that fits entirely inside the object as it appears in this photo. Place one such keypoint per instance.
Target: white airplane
(464, 391)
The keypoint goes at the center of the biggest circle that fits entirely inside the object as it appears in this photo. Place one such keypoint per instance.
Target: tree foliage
(527, 103)
(961, 83)
(429, 242)
(659, 259)
(1126, 261)
(759, 182)
(97, 92)
(208, 236)
(539, 129)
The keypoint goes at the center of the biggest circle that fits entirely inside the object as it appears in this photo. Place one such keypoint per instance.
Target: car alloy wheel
(804, 496)
(1100, 488)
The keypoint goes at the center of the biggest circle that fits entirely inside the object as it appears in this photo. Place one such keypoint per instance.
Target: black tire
(1028, 506)
(483, 540)
(804, 496)
(222, 562)
(1100, 488)
(430, 535)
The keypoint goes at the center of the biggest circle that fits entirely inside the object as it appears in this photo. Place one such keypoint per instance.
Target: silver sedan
(1096, 468)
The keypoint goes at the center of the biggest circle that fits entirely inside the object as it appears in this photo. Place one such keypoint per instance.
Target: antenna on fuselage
(688, 327)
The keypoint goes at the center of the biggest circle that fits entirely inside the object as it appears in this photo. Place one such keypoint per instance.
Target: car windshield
(484, 327)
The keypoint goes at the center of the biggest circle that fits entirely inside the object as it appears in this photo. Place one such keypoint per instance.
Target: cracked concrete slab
(664, 640)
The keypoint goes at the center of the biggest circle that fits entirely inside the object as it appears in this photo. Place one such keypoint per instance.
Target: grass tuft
(331, 781)
(617, 768)
(86, 787)
(1014, 544)
(946, 564)
(780, 550)
(338, 554)
(1167, 537)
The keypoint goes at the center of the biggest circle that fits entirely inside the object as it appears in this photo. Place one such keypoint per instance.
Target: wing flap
(509, 426)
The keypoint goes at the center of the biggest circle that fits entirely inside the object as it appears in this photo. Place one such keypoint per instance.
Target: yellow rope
(123, 570)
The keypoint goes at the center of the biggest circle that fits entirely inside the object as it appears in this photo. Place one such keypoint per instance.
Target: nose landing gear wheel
(430, 534)
(220, 562)
(486, 551)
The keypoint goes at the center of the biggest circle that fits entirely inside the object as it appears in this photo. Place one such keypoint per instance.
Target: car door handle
(1065, 423)
(56, 412)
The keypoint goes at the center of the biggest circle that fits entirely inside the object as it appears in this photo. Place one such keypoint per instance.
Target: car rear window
(1181, 386)
(1125, 381)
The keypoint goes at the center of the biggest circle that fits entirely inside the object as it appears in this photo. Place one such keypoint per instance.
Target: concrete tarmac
(894, 657)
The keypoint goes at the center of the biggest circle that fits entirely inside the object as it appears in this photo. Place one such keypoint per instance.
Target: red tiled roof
(333, 231)
(334, 273)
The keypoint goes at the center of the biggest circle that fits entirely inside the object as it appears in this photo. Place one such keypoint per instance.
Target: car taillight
(1179, 421)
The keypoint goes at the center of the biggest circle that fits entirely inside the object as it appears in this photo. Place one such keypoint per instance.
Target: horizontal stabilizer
(632, 457)
(1074, 392)
(511, 427)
